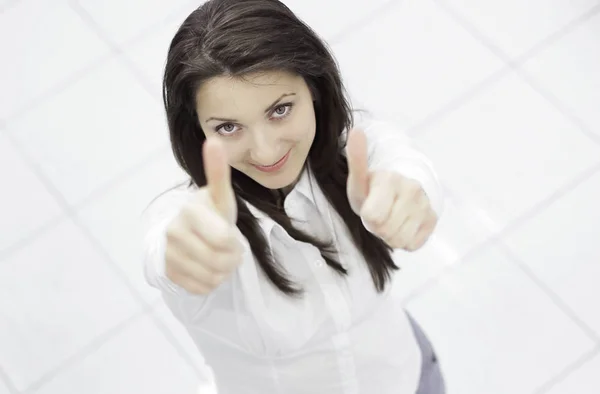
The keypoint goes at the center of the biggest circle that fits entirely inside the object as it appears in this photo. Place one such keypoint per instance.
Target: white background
(503, 95)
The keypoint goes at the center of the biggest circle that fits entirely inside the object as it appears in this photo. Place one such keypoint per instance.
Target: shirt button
(319, 263)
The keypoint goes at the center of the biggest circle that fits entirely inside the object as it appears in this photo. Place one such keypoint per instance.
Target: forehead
(249, 92)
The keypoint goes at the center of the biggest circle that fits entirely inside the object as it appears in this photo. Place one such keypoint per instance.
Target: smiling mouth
(272, 165)
(275, 166)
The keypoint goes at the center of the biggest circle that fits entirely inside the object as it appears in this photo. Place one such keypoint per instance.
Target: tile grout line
(144, 32)
(84, 351)
(118, 179)
(145, 305)
(169, 336)
(568, 371)
(69, 214)
(116, 49)
(516, 64)
(73, 208)
(555, 298)
(527, 54)
(68, 211)
(22, 242)
(445, 108)
(4, 378)
(554, 36)
(59, 87)
(382, 7)
(362, 22)
(419, 128)
(558, 104)
(114, 52)
(510, 227)
(509, 66)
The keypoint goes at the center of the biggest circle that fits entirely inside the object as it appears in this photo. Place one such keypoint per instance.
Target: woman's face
(266, 122)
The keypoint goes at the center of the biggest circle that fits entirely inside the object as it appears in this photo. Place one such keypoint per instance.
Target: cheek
(235, 153)
(309, 135)
(303, 130)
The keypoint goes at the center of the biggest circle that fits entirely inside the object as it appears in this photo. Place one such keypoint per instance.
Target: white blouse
(341, 337)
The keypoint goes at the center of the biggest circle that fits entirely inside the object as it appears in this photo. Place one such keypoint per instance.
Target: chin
(275, 182)
(278, 181)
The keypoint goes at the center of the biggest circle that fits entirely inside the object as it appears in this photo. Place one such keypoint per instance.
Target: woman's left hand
(394, 208)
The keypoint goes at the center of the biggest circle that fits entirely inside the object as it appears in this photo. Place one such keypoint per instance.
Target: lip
(274, 167)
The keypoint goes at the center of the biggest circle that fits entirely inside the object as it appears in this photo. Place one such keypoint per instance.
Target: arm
(392, 186)
(182, 304)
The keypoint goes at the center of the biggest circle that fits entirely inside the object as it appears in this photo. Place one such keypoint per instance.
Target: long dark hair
(232, 37)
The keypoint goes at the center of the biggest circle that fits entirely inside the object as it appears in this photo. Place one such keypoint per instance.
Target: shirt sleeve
(182, 304)
(391, 149)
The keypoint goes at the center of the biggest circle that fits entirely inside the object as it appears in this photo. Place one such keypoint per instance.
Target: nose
(266, 147)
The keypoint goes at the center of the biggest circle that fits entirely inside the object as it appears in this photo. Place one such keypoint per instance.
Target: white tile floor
(502, 95)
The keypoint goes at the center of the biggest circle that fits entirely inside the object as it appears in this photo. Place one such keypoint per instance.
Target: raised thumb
(358, 169)
(218, 178)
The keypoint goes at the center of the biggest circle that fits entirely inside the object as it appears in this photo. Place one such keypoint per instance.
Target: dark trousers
(432, 380)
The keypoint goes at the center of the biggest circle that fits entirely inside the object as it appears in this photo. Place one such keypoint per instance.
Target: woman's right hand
(203, 248)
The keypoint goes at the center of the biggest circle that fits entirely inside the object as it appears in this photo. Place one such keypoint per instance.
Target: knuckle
(197, 288)
(173, 231)
(200, 290)
(171, 260)
(412, 187)
(174, 275)
(421, 242)
(193, 285)
(188, 211)
(223, 262)
(396, 243)
(209, 256)
(416, 244)
(410, 248)
(222, 236)
(214, 280)
(402, 243)
(389, 176)
(386, 233)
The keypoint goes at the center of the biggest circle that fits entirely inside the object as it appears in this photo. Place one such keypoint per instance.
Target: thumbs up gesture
(393, 207)
(202, 244)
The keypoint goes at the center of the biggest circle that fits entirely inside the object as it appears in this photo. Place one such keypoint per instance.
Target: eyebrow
(269, 109)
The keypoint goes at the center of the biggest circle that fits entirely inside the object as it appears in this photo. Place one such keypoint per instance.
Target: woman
(277, 256)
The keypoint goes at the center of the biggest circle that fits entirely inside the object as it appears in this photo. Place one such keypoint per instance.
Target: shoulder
(366, 121)
(363, 119)
(379, 132)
